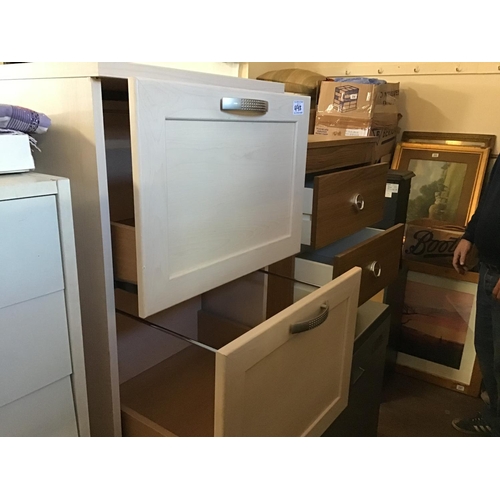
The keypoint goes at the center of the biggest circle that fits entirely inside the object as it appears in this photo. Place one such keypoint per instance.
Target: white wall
(435, 97)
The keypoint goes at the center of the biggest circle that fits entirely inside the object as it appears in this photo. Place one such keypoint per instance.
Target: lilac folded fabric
(23, 119)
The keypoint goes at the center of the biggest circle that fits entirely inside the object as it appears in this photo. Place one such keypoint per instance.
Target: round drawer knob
(359, 202)
(376, 269)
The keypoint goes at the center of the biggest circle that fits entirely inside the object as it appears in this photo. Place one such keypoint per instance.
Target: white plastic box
(15, 154)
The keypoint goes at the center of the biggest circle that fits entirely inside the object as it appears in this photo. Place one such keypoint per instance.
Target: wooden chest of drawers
(179, 202)
(344, 195)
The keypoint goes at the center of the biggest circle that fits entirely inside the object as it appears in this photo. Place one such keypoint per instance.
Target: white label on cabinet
(435, 155)
(356, 132)
(298, 107)
(391, 188)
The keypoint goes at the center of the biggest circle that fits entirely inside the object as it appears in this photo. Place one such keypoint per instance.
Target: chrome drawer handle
(359, 202)
(305, 326)
(376, 269)
(242, 104)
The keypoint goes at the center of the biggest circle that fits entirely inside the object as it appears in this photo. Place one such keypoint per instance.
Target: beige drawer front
(48, 412)
(269, 380)
(375, 251)
(30, 249)
(216, 189)
(34, 346)
(339, 204)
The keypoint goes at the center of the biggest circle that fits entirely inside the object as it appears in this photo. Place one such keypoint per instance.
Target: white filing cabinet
(179, 189)
(42, 374)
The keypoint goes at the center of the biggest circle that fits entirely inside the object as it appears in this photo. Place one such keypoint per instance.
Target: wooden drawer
(257, 378)
(324, 153)
(209, 194)
(375, 251)
(339, 204)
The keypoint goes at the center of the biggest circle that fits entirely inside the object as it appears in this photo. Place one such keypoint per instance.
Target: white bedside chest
(42, 375)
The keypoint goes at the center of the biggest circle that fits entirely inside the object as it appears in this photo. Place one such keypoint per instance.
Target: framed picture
(447, 183)
(437, 332)
(450, 138)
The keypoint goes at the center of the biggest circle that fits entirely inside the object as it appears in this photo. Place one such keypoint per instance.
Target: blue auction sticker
(298, 107)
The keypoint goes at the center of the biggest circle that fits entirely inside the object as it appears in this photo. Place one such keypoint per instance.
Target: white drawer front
(30, 251)
(218, 194)
(270, 382)
(48, 412)
(34, 346)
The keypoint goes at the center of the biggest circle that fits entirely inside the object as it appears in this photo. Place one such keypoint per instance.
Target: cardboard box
(330, 123)
(345, 98)
(434, 242)
(358, 101)
(15, 153)
(387, 138)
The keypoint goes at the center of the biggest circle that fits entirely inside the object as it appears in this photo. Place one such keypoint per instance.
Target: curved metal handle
(359, 202)
(376, 269)
(304, 326)
(242, 104)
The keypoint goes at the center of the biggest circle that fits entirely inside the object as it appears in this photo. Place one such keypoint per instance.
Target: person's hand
(496, 291)
(459, 256)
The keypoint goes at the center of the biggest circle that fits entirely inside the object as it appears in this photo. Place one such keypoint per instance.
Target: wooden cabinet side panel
(73, 147)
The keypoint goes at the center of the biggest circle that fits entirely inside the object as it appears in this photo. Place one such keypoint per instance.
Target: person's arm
(465, 245)
(471, 226)
(470, 230)
(460, 254)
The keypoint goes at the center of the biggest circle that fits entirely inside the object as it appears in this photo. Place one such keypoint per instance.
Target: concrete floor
(413, 408)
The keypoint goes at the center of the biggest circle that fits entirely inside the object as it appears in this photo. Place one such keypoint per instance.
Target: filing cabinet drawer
(341, 203)
(202, 191)
(375, 251)
(284, 376)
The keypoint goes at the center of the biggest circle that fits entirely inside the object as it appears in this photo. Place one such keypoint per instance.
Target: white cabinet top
(13, 186)
(126, 70)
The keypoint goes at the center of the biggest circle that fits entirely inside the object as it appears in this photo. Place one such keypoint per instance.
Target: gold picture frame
(431, 164)
(450, 138)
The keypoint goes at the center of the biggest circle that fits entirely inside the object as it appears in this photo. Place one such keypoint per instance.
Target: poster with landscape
(437, 320)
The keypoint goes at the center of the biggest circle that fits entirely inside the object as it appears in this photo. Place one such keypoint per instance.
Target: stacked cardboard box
(355, 109)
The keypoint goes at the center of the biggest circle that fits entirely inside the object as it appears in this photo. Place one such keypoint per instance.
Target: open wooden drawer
(327, 153)
(204, 185)
(239, 374)
(338, 204)
(375, 251)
